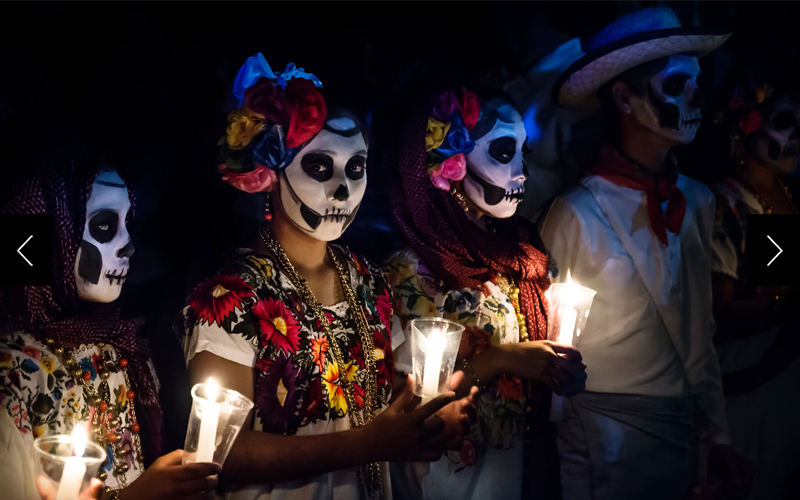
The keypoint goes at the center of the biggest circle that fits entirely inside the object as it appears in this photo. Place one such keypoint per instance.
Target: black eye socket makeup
(673, 84)
(318, 166)
(503, 149)
(103, 226)
(356, 167)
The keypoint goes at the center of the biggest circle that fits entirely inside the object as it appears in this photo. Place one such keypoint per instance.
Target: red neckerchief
(616, 167)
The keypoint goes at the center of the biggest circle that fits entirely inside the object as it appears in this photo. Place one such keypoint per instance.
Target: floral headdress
(278, 112)
(743, 108)
(448, 138)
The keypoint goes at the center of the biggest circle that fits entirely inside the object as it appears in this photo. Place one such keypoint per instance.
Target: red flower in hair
(469, 105)
(217, 297)
(307, 111)
(269, 99)
(750, 122)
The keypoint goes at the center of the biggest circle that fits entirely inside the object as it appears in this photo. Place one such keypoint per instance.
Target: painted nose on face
(126, 251)
(341, 193)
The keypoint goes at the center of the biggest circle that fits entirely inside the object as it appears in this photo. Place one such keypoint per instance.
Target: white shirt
(650, 326)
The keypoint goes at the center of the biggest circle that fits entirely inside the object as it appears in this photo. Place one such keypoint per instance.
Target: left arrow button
(19, 250)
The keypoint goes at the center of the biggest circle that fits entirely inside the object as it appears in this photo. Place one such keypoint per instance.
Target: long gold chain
(767, 207)
(104, 427)
(371, 479)
(508, 287)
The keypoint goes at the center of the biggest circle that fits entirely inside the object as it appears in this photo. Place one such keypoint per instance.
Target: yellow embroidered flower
(5, 359)
(242, 127)
(48, 364)
(262, 266)
(763, 92)
(436, 133)
(282, 392)
(122, 398)
(330, 380)
(39, 430)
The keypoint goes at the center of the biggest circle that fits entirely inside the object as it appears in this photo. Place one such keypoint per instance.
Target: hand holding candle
(434, 347)
(67, 464)
(217, 416)
(568, 311)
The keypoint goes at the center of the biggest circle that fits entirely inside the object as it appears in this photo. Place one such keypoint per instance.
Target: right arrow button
(780, 250)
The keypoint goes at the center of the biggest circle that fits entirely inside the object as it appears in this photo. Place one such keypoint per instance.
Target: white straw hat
(631, 40)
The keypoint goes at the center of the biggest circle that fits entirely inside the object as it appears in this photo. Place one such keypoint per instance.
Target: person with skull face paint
(67, 357)
(299, 324)
(639, 234)
(757, 326)
(454, 158)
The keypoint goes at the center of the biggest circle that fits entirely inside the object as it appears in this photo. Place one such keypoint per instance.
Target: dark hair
(492, 99)
(636, 80)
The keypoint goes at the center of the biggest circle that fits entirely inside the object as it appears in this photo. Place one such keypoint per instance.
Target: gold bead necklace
(766, 206)
(511, 290)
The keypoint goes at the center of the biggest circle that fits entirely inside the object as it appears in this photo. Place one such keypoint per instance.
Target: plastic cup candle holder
(68, 462)
(217, 417)
(434, 347)
(568, 311)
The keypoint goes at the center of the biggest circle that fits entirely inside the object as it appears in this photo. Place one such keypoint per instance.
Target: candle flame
(212, 390)
(79, 439)
(569, 278)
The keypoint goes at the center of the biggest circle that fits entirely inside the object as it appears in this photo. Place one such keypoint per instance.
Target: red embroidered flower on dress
(474, 341)
(278, 325)
(307, 111)
(319, 347)
(217, 297)
(385, 309)
(509, 387)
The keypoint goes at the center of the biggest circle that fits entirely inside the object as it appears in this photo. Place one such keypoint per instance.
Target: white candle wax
(207, 441)
(74, 467)
(433, 366)
(71, 479)
(569, 317)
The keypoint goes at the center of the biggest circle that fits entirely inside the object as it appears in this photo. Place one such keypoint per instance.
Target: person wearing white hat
(639, 233)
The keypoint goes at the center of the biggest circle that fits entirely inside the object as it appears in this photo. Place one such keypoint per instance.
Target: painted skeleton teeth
(515, 195)
(791, 149)
(691, 121)
(118, 276)
(336, 214)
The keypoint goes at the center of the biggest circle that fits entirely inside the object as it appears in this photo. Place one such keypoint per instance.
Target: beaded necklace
(105, 426)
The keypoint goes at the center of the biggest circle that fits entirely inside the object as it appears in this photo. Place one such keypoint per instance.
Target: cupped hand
(167, 479)
(405, 433)
(548, 362)
(459, 415)
(47, 492)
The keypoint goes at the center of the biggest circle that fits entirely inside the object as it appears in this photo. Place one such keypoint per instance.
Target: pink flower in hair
(452, 169)
(260, 180)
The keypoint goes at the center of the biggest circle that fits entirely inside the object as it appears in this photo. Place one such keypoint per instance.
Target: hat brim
(577, 87)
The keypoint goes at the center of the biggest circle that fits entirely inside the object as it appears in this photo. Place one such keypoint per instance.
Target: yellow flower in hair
(436, 133)
(242, 127)
(763, 92)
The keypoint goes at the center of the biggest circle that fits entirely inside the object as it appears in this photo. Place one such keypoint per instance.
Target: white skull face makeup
(102, 263)
(777, 143)
(671, 108)
(322, 188)
(495, 169)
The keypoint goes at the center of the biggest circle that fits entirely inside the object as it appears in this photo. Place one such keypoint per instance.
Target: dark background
(155, 79)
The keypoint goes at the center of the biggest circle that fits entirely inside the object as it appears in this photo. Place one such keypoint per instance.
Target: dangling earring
(267, 212)
(459, 198)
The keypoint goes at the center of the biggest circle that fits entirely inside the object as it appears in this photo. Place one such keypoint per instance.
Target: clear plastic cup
(68, 473)
(217, 417)
(434, 347)
(567, 312)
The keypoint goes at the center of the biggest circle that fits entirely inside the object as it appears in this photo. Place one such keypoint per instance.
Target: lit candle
(433, 365)
(74, 467)
(208, 424)
(567, 314)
